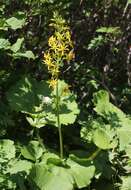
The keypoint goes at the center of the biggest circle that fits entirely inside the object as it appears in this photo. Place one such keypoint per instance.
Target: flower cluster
(60, 50)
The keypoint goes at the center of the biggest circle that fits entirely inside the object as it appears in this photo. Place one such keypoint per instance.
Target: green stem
(58, 121)
(93, 156)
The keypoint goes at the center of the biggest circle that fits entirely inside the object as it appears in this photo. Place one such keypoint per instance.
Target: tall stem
(58, 120)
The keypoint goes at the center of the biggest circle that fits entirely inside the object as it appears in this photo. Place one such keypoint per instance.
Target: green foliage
(35, 99)
(17, 166)
(126, 183)
(101, 139)
(97, 42)
(7, 150)
(114, 116)
(15, 23)
(82, 174)
(4, 44)
(11, 168)
(17, 45)
(109, 30)
(52, 176)
(33, 151)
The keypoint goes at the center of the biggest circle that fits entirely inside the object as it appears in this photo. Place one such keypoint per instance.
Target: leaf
(124, 135)
(33, 151)
(28, 54)
(97, 42)
(101, 139)
(3, 25)
(108, 111)
(81, 174)
(114, 116)
(27, 95)
(16, 22)
(51, 178)
(128, 151)
(20, 166)
(126, 183)
(112, 30)
(7, 150)
(48, 156)
(16, 46)
(4, 44)
(68, 106)
(68, 111)
(103, 135)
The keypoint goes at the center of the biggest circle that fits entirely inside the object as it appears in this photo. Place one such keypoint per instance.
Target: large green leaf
(102, 135)
(101, 139)
(114, 116)
(82, 174)
(16, 22)
(33, 151)
(110, 112)
(51, 178)
(106, 109)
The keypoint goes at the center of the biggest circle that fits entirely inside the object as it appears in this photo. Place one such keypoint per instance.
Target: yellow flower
(47, 56)
(62, 48)
(52, 83)
(70, 56)
(60, 45)
(55, 71)
(52, 42)
(68, 36)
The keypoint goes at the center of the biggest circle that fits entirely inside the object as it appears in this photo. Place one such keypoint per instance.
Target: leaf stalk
(58, 120)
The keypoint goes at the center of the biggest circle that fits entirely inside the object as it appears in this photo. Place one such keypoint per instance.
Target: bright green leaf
(20, 166)
(115, 117)
(51, 178)
(101, 139)
(28, 54)
(15, 23)
(16, 46)
(33, 151)
(112, 30)
(81, 174)
(4, 43)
